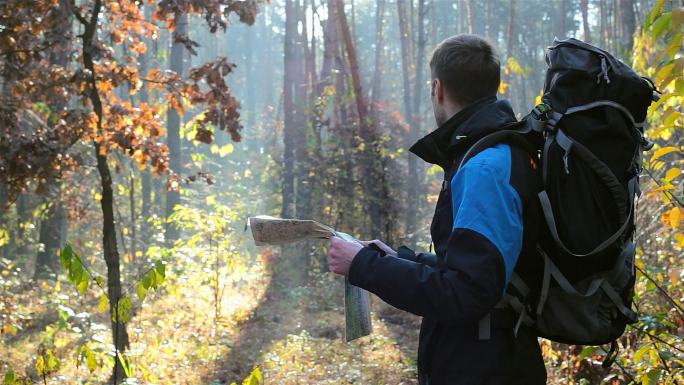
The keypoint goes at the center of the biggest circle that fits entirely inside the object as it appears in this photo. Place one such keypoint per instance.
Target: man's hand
(341, 255)
(388, 250)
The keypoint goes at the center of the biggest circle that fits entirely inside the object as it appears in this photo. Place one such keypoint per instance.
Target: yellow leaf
(672, 173)
(433, 170)
(503, 87)
(666, 187)
(538, 99)
(663, 151)
(673, 217)
(226, 150)
(103, 306)
(40, 365)
(679, 237)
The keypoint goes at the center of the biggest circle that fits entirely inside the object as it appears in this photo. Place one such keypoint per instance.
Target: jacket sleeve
(430, 259)
(481, 253)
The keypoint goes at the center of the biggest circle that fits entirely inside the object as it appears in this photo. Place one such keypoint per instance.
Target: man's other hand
(388, 250)
(341, 255)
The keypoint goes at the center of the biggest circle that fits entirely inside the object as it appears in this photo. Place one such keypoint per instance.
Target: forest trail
(295, 335)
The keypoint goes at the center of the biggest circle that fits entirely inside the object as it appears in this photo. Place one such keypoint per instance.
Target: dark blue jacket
(484, 225)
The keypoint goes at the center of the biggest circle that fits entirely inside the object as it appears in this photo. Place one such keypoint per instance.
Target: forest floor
(293, 335)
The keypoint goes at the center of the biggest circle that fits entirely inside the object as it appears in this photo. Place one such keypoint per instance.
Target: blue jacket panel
(484, 201)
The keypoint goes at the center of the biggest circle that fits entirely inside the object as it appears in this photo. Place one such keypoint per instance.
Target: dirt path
(296, 336)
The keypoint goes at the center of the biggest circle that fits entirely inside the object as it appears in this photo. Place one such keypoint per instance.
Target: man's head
(464, 69)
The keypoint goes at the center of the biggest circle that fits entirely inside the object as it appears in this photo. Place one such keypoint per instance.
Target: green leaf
(125, 364)
(123, 310)
(652, 377)
(10, 377)
(148, 279)
(142, 291)
(661, 24)
(65, 255)
(83, 285)
(588, 351)
(161, 270)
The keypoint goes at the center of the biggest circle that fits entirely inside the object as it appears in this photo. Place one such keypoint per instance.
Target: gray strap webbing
(551, 270)
(563, 141)
(535, 125)
(545, 156)
(546, 281)
(519, 285)
(604, 103)
(485, 328)
(551, 222)
(567, 286)
(613, 295)
(554, 119)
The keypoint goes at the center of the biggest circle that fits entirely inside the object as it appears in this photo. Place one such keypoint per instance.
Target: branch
(76, 13)
(661, 290)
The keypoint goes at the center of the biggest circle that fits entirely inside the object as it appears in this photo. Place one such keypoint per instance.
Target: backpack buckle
(541, 111)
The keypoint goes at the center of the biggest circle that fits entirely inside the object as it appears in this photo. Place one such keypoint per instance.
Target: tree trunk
(603, 29)
(379, 39)
(289, 136)
(407, 67)
(371, 160)
(134, 214)
(563, 15)
(330, 48)
(51, 224)
(111, 253)
(584, 7)
(302, 160)
(173, 131)
(627, 20)
(469, 10)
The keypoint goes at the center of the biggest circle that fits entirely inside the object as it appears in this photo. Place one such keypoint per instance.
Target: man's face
(437, 97)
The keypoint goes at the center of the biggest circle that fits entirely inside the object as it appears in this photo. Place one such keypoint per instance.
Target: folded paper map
(275, 231)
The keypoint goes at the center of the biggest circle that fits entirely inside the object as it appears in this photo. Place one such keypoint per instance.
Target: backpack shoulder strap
(514, 137)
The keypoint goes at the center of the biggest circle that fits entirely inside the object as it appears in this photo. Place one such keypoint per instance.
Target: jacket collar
(443, 145)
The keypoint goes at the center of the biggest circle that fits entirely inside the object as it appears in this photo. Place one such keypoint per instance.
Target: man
(483, 228)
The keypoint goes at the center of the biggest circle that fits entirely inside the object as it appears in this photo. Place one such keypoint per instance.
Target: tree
(95, 114)
(584, 7)
(173, 140)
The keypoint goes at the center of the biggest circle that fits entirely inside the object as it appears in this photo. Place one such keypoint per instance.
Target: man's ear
(439, 90)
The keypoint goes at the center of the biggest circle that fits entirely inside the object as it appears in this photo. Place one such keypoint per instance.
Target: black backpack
(588, 135)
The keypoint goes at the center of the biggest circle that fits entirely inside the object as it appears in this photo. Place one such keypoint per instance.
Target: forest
(137, 137)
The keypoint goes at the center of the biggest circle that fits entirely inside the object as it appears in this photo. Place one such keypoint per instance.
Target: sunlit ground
(293, 336)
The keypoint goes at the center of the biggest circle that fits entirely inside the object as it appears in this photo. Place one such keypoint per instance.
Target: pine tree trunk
(379, 41)
(469, 11)
(627, 22)
(51, 224)
(289, 136)
(603, 18)
(173, 140)
(371, 161)
(584, 7)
